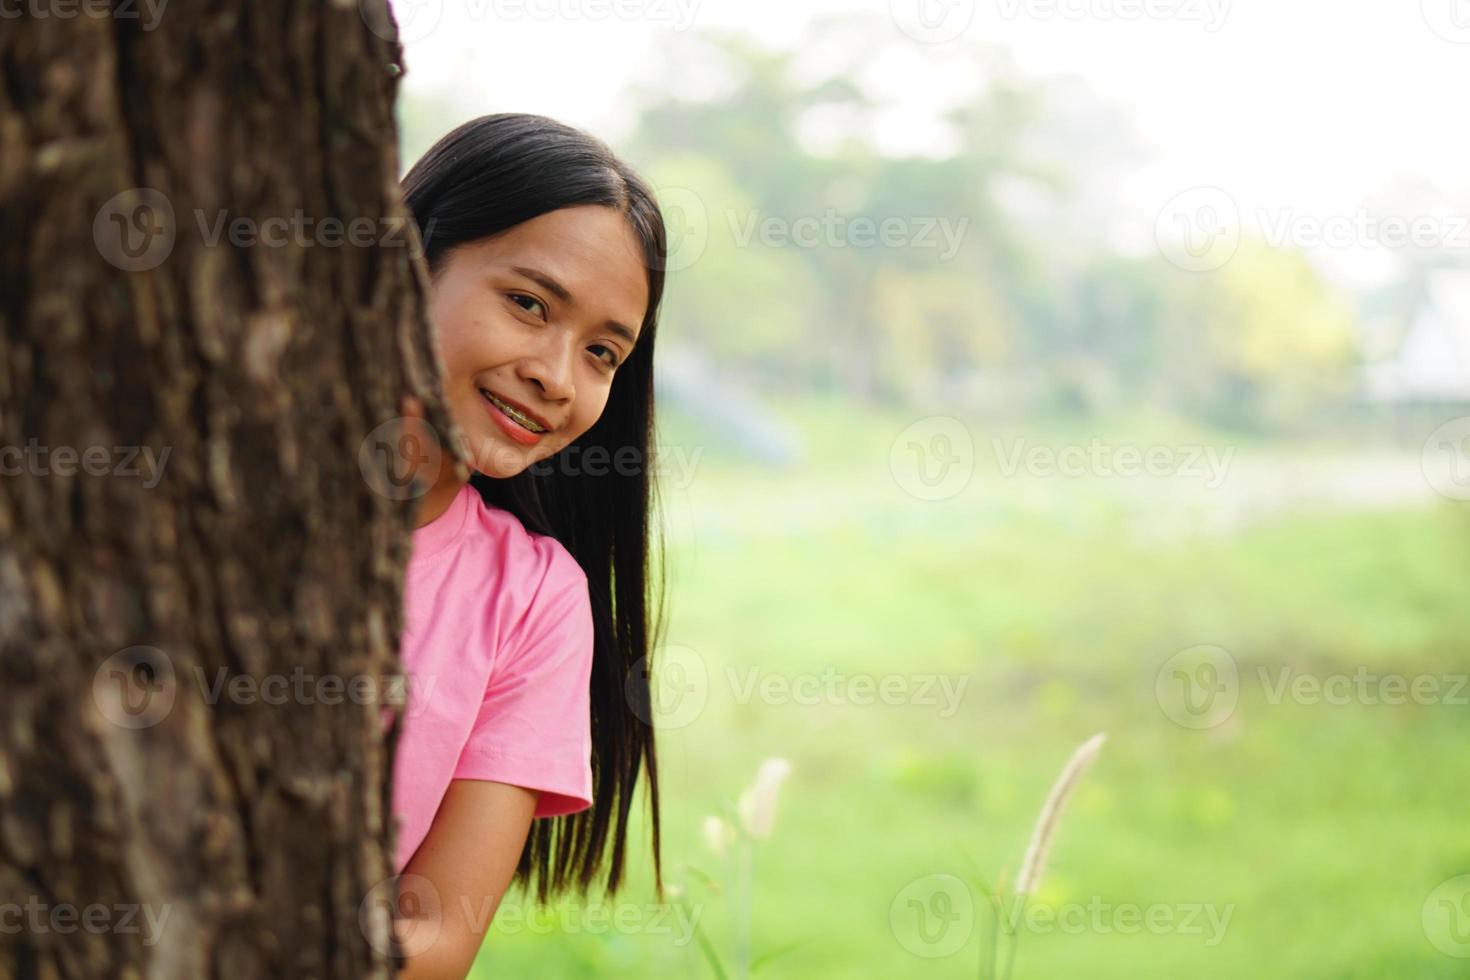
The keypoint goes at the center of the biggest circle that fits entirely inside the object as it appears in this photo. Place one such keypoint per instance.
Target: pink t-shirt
(497, 644)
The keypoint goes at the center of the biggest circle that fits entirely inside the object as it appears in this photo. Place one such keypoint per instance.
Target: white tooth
(515, 416)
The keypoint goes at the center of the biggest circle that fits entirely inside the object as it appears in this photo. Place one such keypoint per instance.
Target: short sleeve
(534, 724)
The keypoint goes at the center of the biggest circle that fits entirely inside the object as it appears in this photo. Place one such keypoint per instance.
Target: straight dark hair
(481, 179)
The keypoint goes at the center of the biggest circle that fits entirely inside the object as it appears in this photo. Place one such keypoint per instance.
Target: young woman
(527, 597)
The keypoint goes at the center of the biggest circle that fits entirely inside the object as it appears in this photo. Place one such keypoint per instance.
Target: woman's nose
(551, 371)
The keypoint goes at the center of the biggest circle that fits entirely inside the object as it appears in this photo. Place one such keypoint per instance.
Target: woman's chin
(503, 460)
(490, 453)
(499, 468)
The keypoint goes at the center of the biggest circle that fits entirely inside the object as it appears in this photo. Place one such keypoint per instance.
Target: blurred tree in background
(1025, 307)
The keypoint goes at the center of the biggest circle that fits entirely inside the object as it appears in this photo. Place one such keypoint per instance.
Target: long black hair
(483, 178)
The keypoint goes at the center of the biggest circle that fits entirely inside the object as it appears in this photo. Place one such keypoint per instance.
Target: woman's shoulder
(526, 554)
(540, 592)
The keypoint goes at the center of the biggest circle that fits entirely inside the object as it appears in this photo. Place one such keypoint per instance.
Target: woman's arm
(469, 857)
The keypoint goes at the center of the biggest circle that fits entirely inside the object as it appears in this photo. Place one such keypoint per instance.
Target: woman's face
(531, 326)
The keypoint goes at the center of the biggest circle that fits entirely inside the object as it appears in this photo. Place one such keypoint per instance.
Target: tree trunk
(201, 550)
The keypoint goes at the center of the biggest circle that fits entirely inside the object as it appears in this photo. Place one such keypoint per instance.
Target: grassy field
(1298, 837)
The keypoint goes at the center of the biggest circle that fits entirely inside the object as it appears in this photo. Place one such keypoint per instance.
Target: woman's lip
(513, 429)
(523, 410)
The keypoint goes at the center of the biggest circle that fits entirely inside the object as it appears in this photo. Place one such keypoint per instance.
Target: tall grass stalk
(1033, 865)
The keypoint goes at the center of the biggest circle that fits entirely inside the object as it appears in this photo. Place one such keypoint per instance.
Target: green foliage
(1026, 307)
(1060, 608)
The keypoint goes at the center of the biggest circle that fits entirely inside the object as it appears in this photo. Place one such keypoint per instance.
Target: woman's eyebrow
(562, 293)
(546, 282)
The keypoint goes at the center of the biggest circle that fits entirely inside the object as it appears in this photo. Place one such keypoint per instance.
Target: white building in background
(1432, 361)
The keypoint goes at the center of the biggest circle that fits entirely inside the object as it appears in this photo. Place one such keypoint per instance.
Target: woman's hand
(453, 884)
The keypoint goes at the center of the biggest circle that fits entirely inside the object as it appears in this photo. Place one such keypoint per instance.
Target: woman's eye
(529, 304)
(612, 356)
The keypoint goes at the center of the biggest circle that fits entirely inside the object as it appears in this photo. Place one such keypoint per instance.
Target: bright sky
(1312, 105)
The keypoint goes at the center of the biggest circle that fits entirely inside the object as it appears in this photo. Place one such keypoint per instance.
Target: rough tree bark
(200, 568)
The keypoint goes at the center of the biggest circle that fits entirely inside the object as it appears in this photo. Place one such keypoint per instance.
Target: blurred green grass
(1321, 827)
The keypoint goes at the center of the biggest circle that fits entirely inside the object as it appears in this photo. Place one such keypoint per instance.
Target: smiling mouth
(515, 415)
